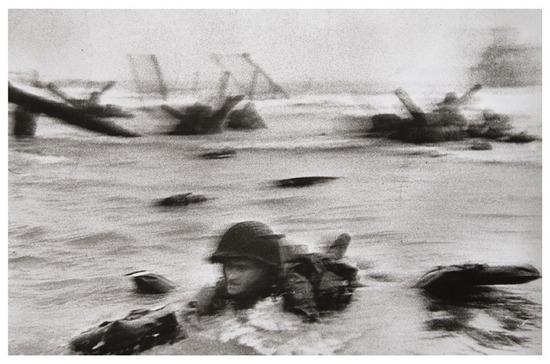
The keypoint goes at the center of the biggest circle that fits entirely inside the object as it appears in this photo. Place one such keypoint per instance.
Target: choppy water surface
(81, 216)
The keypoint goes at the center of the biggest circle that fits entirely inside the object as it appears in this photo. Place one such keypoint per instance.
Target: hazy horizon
(391, 46)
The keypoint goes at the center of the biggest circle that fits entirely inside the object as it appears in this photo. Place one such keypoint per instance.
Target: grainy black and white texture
(85, 209)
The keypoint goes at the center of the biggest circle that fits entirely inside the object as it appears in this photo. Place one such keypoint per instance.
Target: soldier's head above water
(450, 98)
(250, 254)
(257, 264)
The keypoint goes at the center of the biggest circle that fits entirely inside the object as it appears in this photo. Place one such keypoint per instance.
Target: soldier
(450, 102)
(256, 266)
(250, 254)
(448, 111)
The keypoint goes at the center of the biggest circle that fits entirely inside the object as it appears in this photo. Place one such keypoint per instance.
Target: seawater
(81, 215)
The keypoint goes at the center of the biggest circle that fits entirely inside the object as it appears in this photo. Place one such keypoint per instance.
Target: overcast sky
(372, 45)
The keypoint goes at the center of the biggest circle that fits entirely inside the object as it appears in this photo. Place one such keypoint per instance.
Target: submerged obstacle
(445, 123)
(439, 126)
(245, 118)
(91, 104)
(33, 104)
(24, 123)
(201, 119)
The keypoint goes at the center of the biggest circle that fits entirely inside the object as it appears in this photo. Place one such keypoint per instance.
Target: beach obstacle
(32, 104)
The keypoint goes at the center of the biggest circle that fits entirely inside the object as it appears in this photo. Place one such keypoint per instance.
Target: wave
(269, 330)
(27, 233)
(499, 215)
(107, 237)
(61, 284)
(40, 158)
(514, 163)
(306, 145)
(26, 260)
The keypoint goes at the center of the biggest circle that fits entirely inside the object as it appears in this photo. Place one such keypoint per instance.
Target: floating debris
(147, 282)
(140, 330)
(303, 181)
(181, 200)
(478, 145)
(459, 277)
(220, 154)
(522, 137)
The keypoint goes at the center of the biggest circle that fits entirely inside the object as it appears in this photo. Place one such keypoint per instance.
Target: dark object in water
(338, 248)
(219, 154)
(522, 137)
(445, 123)
(181, 200)
(317, 282)
(24, 125)
(245, 118)
(497, 127)
(147, 282)
(477, 145)
(201, 119)
(434, 127)
(303, 181)
(290, 251)
(138, 331)
(494, 126)
(462, 277)
(68, 114)
(387, 122)
(299, 296)
(429, 134)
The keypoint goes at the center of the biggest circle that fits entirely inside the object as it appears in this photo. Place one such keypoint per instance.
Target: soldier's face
(243, 276)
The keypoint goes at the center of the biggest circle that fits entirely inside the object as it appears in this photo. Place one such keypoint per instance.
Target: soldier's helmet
(450, 98)
(94, 97)
(252, 240)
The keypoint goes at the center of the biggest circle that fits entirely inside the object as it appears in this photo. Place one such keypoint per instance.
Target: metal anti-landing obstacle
(251, 89)
(30, 105)
(147, 74)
